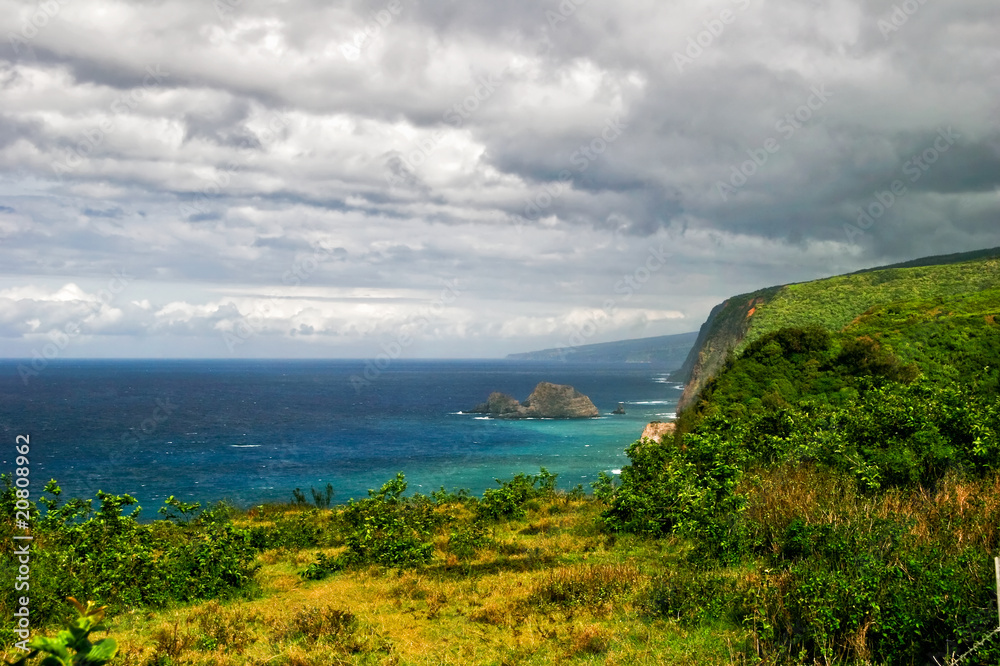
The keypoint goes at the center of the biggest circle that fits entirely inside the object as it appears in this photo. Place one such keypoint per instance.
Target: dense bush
(465, 540)
(390, 529)
(509, 499)
(295, 531)
(873, 591)
(880, 568)
(109, 556)
(693, 597)
(686, 489)
(322, 567)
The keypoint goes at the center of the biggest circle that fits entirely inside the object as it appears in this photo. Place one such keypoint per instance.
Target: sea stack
(547, 401)
(620, 409)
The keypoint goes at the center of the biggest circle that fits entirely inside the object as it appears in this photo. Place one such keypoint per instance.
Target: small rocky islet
(547, 401)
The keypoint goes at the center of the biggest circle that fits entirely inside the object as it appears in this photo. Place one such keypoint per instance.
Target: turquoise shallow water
(251, 431)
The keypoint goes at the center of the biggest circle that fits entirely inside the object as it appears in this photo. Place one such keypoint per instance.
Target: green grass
(836, 304)
(550, 589)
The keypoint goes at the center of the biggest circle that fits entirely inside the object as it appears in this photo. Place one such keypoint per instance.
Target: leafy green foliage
(685, 489)
(294, 531)
(108, 555)
(882, 408)
(954, 339)
(834, 303)
(178, 511)
(906, 598)
(789, 365)
(509, 499)
(692, 597)
(322, 567)
(467, 539)
(390, 529)
(604, 487)
(72, 646)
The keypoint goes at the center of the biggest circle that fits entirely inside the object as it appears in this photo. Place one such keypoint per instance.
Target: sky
(431, 178)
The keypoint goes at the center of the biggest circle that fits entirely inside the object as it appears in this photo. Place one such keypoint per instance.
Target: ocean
(249, 432)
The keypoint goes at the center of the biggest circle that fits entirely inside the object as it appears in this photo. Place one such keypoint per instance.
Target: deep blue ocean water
(251, 431)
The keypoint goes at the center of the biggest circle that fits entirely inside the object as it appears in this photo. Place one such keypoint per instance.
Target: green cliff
(918, 288)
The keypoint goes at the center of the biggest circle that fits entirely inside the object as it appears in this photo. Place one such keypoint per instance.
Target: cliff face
(657, 430)
(722, 333)
(548, 401)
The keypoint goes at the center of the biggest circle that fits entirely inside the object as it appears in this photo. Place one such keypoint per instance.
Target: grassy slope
(831, 303)
(836, 302)
(552, 590)
(948, 338)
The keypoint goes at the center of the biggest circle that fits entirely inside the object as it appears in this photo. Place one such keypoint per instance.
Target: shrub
(108, 555)
(75, 637)
(389, 529)
(465, 541)
(322, 567)
(691, 596)
(509, 500)
(686, 488)
(297, 531)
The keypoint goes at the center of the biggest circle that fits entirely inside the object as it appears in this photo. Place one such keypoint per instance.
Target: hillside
(838, 469)
(665, 351)
(831, 303)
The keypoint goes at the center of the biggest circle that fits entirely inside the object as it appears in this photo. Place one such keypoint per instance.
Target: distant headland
(665, 352)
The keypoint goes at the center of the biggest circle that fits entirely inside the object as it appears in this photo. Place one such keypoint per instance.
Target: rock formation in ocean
(499, 404)
(620, 409)
(547, 401)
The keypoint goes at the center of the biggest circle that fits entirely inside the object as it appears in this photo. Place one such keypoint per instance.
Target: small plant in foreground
(77, 639)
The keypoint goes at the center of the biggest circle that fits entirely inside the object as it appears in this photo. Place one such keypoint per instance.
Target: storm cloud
(301, 179)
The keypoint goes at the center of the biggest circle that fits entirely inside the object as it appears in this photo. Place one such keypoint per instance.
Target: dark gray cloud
(321, 171)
